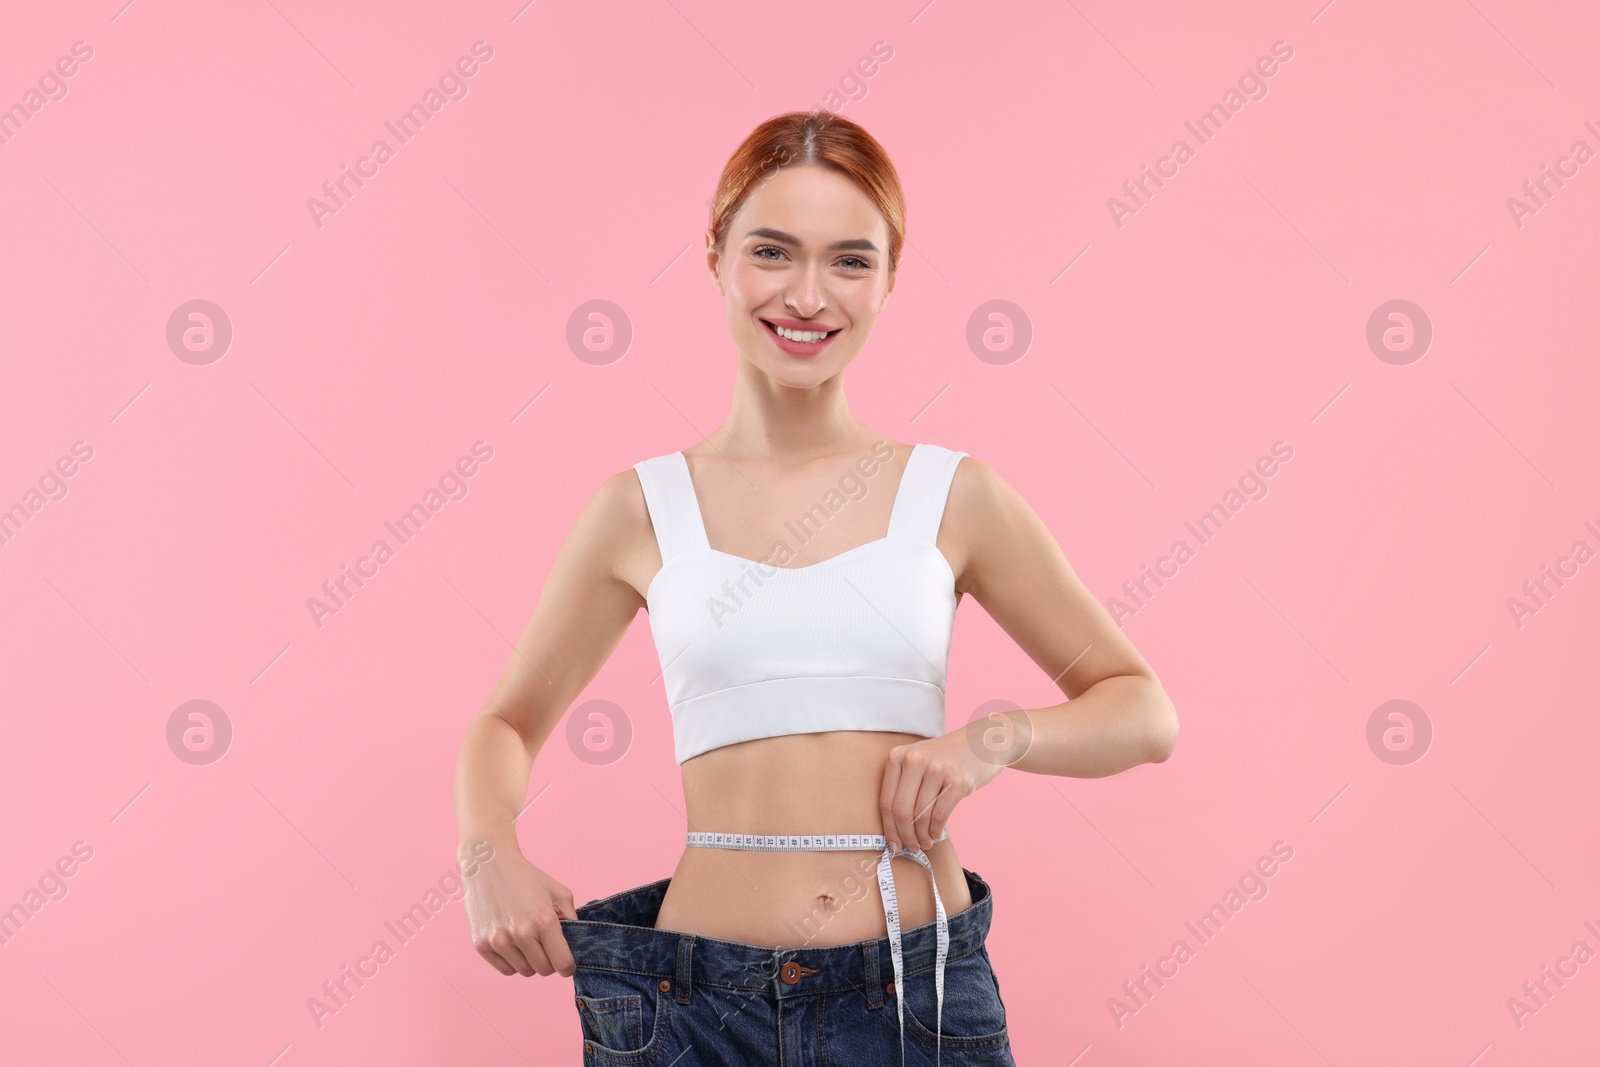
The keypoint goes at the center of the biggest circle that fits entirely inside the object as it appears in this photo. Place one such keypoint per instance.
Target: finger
(932, 787)
(531, 943)
(497, 961)
(905, 800)
(897, 825)
(554, 946)
(528, 951)
(504, 947)
(564, 905)
(943, 808)
(891, 782)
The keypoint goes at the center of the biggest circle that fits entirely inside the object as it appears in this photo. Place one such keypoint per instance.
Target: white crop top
(858, 641)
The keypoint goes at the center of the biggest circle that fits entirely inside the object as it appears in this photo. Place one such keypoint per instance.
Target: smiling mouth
(774, 331)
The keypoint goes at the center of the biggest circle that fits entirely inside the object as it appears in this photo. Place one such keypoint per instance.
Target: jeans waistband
(618, 933)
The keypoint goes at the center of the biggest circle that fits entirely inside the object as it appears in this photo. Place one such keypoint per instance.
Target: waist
(806, 897)
(656, 949)
(797, 784)
(780, 707)
(794, 842)
(828, 781)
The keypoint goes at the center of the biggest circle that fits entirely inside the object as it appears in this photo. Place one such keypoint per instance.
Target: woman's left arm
(1118, 716)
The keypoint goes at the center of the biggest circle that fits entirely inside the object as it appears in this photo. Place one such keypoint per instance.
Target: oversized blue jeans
(662, 997)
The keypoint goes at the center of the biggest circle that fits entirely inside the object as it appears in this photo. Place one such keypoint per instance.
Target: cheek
(863, 303)
(749, 288)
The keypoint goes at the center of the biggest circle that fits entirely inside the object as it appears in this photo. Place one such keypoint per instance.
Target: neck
(770, 420)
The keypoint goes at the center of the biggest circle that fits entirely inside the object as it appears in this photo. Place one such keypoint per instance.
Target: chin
(804, 377)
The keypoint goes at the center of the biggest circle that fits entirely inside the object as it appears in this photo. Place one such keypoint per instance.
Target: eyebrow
(860, 244)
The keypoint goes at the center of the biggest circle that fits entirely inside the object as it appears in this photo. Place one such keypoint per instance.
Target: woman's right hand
(585, 606)
(515, 910)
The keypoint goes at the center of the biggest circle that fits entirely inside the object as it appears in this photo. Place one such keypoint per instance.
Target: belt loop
(874, 987)
(685, 967)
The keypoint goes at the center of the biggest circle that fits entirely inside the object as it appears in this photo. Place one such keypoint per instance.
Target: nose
(806, 295)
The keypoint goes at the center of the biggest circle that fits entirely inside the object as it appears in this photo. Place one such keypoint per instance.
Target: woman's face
(807, 252)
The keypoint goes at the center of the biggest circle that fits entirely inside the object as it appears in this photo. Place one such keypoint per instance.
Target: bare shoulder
(996, 541)
(616, 522)
(979, 500)
(620, 496)
(977, 488)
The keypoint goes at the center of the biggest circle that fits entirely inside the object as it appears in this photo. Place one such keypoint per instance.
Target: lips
(796, 325)
(799, 348)
(770, 327)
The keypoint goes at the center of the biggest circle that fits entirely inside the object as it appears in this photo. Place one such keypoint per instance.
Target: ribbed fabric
(859, 641)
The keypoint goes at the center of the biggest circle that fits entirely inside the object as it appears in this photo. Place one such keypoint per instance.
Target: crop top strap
(674, 510)
(924, 488)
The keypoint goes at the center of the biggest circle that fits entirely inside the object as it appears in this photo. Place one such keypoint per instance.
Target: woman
(801, 574)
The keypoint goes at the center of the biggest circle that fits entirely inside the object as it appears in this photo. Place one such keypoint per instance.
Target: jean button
(792, 972)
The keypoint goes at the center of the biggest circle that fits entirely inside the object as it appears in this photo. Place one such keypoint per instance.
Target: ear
(713, 262)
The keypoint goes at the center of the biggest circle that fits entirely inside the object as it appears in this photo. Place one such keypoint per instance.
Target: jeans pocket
(624, 1017)
(612, 1022)
(995, 978)
(974, 1017)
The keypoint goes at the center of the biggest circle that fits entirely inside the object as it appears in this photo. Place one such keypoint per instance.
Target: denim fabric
(660, 997)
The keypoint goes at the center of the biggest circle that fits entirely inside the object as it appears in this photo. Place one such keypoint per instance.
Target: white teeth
(804, 336)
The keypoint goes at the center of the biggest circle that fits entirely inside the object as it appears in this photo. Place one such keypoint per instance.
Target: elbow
(1164, 733)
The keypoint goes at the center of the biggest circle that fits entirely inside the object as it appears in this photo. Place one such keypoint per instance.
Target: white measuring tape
(891, 906)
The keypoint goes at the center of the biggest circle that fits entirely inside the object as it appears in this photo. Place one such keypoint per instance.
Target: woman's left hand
(924, 781)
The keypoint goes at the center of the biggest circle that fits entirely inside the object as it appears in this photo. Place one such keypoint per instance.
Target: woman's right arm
(514, 909)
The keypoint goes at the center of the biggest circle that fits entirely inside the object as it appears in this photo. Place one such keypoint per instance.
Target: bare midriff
(822, 783)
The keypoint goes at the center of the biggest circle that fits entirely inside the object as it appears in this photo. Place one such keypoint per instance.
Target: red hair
(817, 138)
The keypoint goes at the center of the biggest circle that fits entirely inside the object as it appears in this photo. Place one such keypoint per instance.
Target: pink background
(432, 311)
